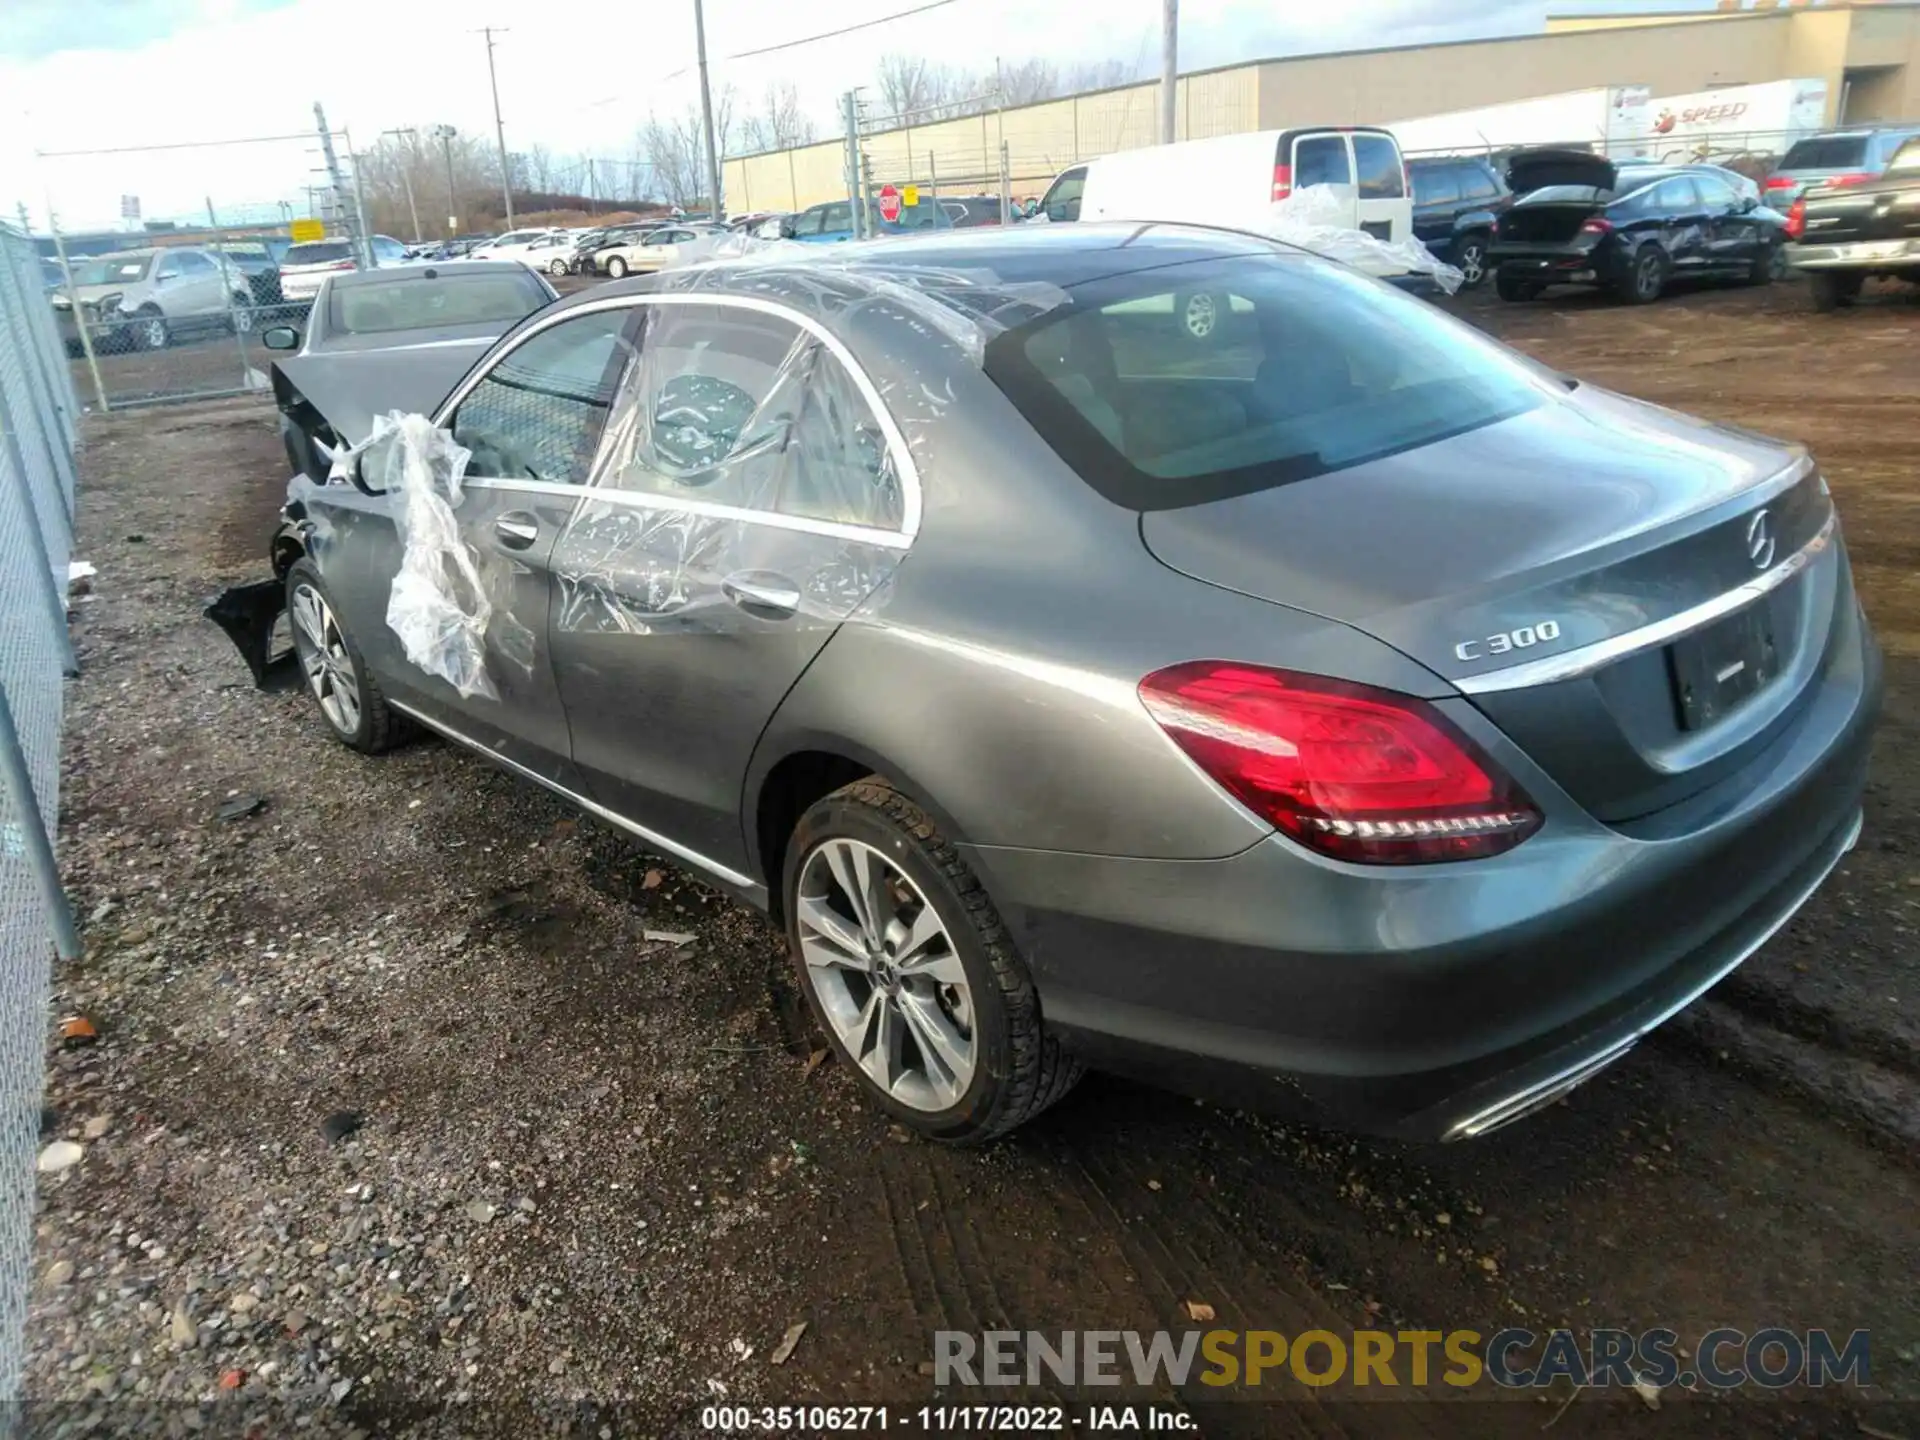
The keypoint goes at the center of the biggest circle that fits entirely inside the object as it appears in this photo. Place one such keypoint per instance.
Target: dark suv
(1456, 199)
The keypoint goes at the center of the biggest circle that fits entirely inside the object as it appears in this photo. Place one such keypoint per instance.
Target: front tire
(150, 331)
(556, 268)
(908, 969)
(617, 268)
(343, 688)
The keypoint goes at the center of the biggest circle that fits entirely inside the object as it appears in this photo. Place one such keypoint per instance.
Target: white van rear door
(1382, 205)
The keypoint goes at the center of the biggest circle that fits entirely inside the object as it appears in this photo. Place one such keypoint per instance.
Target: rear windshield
(1827, 152)
(318, 252)
(1565, 195)
(1189, 383)
(418, 303)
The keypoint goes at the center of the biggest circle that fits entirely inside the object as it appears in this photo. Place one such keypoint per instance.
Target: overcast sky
(81, 74)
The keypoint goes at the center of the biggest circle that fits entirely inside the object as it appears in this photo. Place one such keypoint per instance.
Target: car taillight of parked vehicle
(1780, 182)
(1855, 177)
(1282, 181)
(1597, 225)
(1797, 220)
(1352, 772)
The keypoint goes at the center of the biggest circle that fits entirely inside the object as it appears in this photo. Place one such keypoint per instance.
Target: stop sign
(889, 204)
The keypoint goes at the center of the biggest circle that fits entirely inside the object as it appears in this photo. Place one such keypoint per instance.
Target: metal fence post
(29, 831)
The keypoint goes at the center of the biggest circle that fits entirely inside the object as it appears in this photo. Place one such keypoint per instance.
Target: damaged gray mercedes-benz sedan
(1138, 646)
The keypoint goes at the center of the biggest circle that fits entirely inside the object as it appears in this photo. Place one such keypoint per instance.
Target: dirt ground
(596, 1174)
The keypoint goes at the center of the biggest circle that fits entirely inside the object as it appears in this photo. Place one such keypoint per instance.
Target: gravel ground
(398, 1121)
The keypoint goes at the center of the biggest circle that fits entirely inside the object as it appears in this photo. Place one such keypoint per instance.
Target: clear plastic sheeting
(439, 606)
(1319, 218)
(967, 304)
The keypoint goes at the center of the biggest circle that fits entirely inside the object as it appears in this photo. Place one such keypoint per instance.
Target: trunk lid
(1574, 524)
(1529, 170)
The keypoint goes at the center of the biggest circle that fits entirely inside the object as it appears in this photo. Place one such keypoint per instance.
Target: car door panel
(723, 547)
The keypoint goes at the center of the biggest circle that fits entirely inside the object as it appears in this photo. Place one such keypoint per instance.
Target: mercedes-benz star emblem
(1760, 540)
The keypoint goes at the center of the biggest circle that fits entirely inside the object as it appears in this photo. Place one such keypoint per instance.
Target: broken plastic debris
(60, 1155)
(77, 1030)
(784, 1350)
(1318, 218)
(1198, 1310)
(668, 937)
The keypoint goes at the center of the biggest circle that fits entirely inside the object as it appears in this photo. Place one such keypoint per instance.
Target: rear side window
(1827, 152)
(1321, 160)
(743, 409)
(538, 413)
(1676, 195)
(1436, 185)
(1185, 384)
(1376, 160)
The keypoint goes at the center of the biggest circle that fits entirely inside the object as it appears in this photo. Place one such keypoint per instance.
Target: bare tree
(676, 150)
(1029, 82)
(780, 123)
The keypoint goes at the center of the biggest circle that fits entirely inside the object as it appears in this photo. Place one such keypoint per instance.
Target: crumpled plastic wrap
(439, 606)
(1318, 218)
(967, 304)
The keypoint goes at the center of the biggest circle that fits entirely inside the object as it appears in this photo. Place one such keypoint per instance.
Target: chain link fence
(37, 419)
(169, 302)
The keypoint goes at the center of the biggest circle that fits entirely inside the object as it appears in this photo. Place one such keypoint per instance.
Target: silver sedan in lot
(1334, 709)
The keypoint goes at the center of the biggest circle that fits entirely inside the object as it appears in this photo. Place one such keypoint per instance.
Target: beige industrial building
(1868, 52)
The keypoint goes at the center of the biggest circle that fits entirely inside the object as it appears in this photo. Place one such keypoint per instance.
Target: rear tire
(1510, 287)
(1017, 1068)
(344, 691)
(1833, 289)
(1648, 277)
(1470, 259)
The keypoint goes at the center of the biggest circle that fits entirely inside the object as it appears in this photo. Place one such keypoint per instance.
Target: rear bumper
(1555, 265)
(1438, 1001)
(1857, 255)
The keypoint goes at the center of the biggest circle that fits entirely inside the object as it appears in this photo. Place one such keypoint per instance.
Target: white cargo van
(1234, 179)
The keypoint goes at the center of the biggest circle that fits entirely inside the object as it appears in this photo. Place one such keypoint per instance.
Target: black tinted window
(1321, 160)
(1827, 152)
(1376, 160)
(1178, 385)
(1436, 185)
(538, 413)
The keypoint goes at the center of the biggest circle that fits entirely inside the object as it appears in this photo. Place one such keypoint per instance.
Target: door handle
(516, 530)
(759, 594)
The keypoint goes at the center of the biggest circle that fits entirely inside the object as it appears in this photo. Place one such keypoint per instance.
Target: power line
(843, 30)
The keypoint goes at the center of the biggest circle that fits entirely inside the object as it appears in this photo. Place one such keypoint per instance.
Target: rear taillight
(1355, 773)
(341, 265)
(1797, 220)
(1597, 226)
(1282, 181)
(1779, 182)
(1858, 177)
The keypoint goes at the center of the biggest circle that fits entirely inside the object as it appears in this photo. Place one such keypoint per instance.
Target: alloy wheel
(153, 333)
(1201, 315)
(1646, 279)
(242, 316)
(1777, 266)
(324, 659)
(1472, 263)
(557, 267)
(886, 974)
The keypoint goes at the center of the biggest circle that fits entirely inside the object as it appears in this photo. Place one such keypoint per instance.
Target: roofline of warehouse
(1656, 21)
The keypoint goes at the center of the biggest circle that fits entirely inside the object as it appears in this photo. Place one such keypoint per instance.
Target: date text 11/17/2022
(973, 1419)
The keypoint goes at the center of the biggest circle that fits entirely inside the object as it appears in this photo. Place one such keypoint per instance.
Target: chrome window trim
(1586, 659)
(910, 497)
(638, 500)
(594, 808)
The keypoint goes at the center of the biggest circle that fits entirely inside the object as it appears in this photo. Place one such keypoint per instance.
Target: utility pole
(1169, 66)
(850, 120)
(356, 233)
(706, 115)
(446, 134)
(500, 130)
(406, 178)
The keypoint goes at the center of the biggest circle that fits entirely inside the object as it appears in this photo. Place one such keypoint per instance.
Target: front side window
(835, 218)
(1321, 160)
(538, 413)
(1676, 196)
(1714, 194)
(192, 262)
(1062, 201)
(1376, 160)
(738, 408)
(1303, 370)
